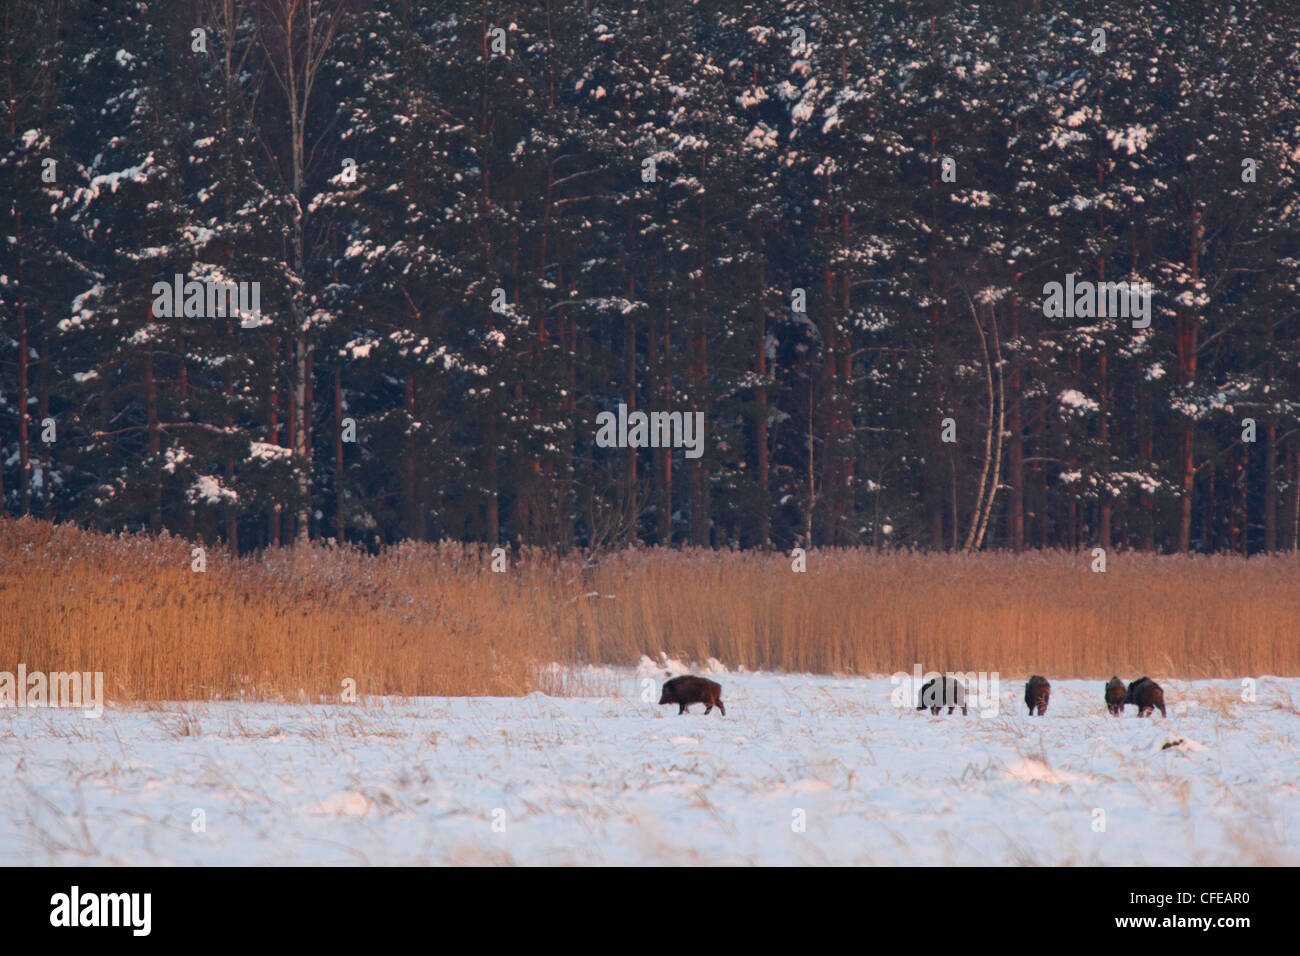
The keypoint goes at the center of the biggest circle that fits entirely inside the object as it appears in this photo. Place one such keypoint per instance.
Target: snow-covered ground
(612, 779)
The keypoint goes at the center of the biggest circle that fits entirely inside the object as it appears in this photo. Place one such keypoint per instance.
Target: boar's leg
(681, 709)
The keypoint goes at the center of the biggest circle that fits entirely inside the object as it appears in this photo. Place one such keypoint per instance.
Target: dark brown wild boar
(1038, 691)
(684, 691)
(1147, 694)
(942, 692)
(1115, 696)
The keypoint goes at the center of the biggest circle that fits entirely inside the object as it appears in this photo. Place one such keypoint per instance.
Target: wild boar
(1147, 695)
(1115, 696)
(684, 691)
(942, 692)
(1038, 691)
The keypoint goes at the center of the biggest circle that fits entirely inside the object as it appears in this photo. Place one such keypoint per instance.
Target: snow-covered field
(615, 780)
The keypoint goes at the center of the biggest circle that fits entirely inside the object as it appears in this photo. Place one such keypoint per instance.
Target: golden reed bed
(435, 619)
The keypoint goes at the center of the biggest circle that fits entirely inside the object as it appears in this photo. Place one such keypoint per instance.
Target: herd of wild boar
(1143, 692)
(949, 692)
(941, 692)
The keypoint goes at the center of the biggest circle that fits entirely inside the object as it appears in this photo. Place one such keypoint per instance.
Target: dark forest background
(1114, 156)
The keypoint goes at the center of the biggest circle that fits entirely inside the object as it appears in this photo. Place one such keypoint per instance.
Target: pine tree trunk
(1016, 452)
(812, 473)
(1270, 458)
(665, 507)
(1295, 496)
(936, 493)
(699, 496)
(493, 501)
(629, 398)
(1270, 486)
(1245, 504)
(410, 508)
(1103, 534)
(339, 525)
(1187, 344)
(762, 504)
(273, 436)
(228, 388)
(24, 413)
(151, 420)
(43, 412)
(1146, 454)
(1209, 513)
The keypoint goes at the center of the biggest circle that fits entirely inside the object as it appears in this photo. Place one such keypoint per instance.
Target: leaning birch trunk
(997, 448)
(988, 436)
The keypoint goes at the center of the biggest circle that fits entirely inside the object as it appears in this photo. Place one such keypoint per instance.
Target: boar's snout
(1038, 691)
(1115, 696)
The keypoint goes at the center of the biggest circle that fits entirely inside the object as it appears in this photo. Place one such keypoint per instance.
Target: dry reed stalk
(433, 619)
